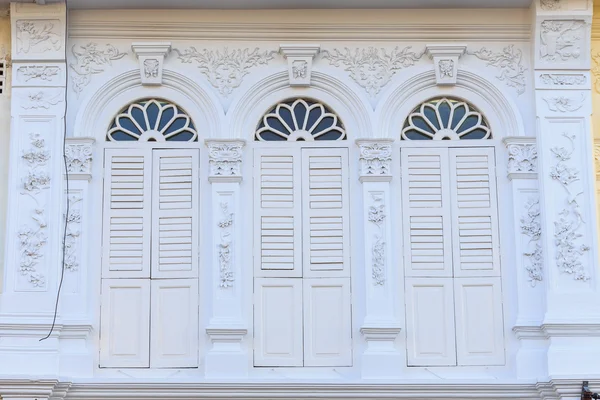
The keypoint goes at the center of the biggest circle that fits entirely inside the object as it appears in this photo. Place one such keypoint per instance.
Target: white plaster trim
(445, 61)
(151, 56)
(300, 59)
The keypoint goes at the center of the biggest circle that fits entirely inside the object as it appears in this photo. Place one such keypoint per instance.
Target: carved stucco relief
(40, 99)
(37, 36)
(377, 215)
(508, 62)
(550, 5)
(372, 68)
(375, 159)
(225, 158)
(563, 79)
(79, 158)
(226, 276)
(37, 73)
(565, 103)
(567, 236)
(531, 227)
(33, 236)
(73, 233)
(225, 69)
(522, 158)
(562, 40)
(90, 60)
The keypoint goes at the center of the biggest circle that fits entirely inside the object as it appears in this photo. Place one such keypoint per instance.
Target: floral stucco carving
(33, 236)
(566, 228)
(37, 36)
(90, 60)
(37, 72)
(225, 225)
(377, 216)
(522, 158)
(563, 79)
(225, 158)
(564, 103)
(531, 226)
(372, 68)
(375, 158)
(550, 5)
(508, 62)
(40, 99)
(562, 40)
(225, 69)
(79, 158)
(71, 262)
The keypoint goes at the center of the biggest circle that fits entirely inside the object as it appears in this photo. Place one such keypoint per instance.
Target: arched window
(152, 120)
(302, 120)
(445, 119)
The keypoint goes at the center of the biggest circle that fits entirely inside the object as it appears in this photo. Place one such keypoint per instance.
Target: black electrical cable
(68, 203)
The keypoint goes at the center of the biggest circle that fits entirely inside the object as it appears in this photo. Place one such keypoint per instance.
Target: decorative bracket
(79, 152)
(225, 159)
(445, 59)
(151, 56)
(375, 159)
(300, 58)
(522, 157)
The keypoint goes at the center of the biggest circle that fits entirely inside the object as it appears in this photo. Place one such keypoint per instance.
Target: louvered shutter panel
(475, 212)
(126, 216)
(278, 251)
(325, 213)
(174, 214)
(426, 209)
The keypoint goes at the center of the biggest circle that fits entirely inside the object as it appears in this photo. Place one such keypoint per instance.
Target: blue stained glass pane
(152, 113)
(166, 116)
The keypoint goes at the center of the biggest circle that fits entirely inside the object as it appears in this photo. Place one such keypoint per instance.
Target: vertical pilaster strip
(566, 180)
(528, 261)
(226, 328)
(381, 358)
(35, 190)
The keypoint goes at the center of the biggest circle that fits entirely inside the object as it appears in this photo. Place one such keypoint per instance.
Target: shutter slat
(426, 205)
(126, 215)
(325, 213)
(474, 208)
(174, 213)
(277, 220)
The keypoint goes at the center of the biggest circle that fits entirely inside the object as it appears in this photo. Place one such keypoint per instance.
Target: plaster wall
(4, 135)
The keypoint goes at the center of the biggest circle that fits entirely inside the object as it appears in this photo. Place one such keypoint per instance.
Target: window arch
(152, 120)
(445, 119)
(300, 120)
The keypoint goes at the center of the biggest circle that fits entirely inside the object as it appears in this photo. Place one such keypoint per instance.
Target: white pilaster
(528, 262)
(226, 358)
(566, 179)
(35, 192)
(381, 359)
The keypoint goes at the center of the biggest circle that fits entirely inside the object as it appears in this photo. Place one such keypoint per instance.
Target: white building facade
(315, 203)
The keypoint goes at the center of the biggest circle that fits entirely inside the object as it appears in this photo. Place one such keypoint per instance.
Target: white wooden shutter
(125, 323)
(175, 213)
(277, 224)
(430, 330)
(327, 322)
(325, 213)
(174, 323)
(479, 326)
(278, 322)
(474, 212)
(426, 210)
(126, 216)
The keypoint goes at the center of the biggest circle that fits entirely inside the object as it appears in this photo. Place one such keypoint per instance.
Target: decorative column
(528, 261)
(566, 179)
(75, 360)
(227, 328)
(382, 358)
(35, 190)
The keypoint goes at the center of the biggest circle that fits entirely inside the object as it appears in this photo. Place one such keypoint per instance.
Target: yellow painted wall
(4, 136)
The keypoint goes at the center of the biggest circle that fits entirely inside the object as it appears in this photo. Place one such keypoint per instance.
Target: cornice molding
(356, 32)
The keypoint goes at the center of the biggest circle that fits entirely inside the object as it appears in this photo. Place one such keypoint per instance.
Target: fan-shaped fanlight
(152, 120)
(300, 120)
(445, 119)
